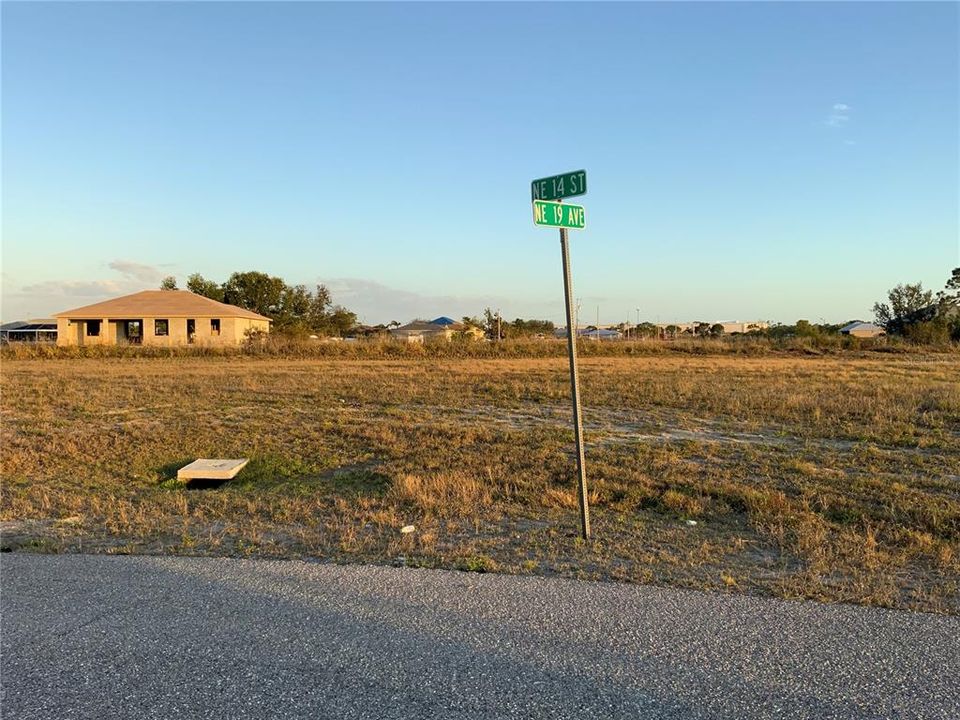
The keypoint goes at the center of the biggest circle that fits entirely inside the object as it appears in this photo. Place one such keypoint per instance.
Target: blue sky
(744, 161)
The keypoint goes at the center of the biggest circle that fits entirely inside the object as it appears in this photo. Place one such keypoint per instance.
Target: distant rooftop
(858, 325)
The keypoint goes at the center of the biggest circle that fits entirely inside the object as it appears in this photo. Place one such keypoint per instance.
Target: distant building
(158, 317)
(862, 329)
(732, 328)
(590, 333)
(729, 328)
(600, 334)
(369, 331)
(443, 328)
(29, 331)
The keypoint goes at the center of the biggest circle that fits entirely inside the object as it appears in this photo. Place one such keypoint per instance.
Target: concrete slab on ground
(212, 469)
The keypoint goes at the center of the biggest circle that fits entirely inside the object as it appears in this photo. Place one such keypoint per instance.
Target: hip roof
(162, 304)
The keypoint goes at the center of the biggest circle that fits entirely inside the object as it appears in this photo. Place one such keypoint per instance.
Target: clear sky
(744, 161)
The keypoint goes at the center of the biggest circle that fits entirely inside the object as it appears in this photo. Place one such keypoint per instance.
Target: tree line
(495, 327)
(296, 310)
(293, 308)
(909, 311)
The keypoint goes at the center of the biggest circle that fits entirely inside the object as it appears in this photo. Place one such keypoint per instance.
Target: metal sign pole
(575, 387)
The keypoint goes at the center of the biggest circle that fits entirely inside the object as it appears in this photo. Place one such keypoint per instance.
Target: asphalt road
(148, 637)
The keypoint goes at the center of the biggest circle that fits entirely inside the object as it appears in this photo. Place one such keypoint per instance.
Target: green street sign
(560, 215)
(558, 187)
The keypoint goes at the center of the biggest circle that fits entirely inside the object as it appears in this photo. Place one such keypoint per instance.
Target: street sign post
(560, 215)
(557, 187)
(555, 214)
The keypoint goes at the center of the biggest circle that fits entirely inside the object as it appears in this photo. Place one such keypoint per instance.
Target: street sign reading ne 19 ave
(559, 215)
(548, 213)
(558, 187)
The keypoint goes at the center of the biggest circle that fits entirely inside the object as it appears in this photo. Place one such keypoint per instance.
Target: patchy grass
(836, 478)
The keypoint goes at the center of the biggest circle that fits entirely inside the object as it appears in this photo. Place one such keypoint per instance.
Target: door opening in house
(191, 329)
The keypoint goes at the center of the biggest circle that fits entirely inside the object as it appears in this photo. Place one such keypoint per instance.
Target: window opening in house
(191, 330)
(215, 326)
(134, 334)
(161, 327)
(93, 328)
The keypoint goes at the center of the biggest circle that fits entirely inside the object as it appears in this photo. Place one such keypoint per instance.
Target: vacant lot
(834, 478)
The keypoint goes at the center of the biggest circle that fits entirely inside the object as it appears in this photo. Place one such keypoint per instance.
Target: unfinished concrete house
(158, 317)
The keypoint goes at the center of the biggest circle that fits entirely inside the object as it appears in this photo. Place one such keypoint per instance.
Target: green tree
(293, 308)
(949, 297)
(524, 328)
(168, 283)
(948, 304)
(716, 329)
(646, 329)
(320, 306)
(294, 311)
(255, 291)
(207, 288)
(953, 283)
(339, 321)
(804, 328)
(779, 331)
(904, 300)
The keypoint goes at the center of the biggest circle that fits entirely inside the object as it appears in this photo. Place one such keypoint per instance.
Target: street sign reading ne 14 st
(558, 187)
(560, 215)
(547, 212)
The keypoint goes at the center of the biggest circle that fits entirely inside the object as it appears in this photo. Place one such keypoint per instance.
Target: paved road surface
(143, 637)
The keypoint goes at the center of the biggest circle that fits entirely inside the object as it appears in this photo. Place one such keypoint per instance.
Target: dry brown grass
(454, 494)
(835, 478)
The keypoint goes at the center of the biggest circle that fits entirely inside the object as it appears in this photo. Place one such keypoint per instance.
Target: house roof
(160, 303)
(33, 327)
(41, 324)
(601, 332)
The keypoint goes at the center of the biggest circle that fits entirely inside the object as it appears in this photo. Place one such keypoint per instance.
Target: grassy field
(835, 478)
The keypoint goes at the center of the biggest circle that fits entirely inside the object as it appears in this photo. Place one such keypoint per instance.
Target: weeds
(826, 476)
(278, 345)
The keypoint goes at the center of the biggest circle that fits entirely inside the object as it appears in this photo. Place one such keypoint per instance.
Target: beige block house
(158, 317)
(732, 328)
